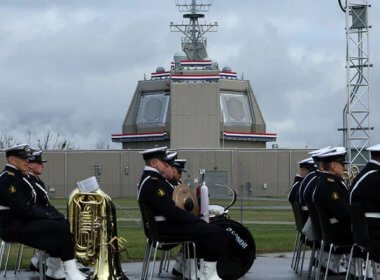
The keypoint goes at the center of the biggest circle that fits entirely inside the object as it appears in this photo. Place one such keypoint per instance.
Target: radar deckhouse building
(194, 104)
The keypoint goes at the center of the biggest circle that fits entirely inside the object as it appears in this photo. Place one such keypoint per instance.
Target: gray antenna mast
(194, 43)
(356, 113)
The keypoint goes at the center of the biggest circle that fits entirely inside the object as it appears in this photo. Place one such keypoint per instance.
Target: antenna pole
(194, 43)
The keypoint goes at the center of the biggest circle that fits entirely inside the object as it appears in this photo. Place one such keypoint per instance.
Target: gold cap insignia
(335, 196)
(12, 189)
(330, 180)
(160, 192)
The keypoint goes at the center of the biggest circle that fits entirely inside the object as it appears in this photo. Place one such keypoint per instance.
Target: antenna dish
(227, 69)
(160, 69)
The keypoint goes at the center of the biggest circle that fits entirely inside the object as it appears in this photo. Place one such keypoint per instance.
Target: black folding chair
(317, 243)
(156, 241)
(362, 241)
(301, 240)
(330, 240)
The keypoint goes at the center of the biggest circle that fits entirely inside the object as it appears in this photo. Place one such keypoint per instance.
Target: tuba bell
(350, 175)
(92, 218)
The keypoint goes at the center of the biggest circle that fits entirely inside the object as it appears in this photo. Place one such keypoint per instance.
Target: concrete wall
(270, 172)
(195, 115)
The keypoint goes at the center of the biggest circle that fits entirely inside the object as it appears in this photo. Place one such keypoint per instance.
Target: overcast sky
(71, 66)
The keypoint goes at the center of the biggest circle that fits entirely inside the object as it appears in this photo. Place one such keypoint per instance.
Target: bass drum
(242, 253)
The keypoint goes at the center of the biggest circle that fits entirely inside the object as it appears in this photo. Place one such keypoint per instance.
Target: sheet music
(88, 185)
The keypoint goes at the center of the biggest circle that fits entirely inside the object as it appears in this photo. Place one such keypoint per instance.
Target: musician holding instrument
(156, 193)
(366, 191)
(24, 220)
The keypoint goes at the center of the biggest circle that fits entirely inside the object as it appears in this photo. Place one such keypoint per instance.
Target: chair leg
(318, 274)
(303, 255)
(298, 254)
(312, 260)
(41, 261)
(163, 257)
(2, 249)
(348, 273)
(19, 258)
(328, 261)
(195, 259)
(7, 259)
(185, 257)
(366, 266)
(145, 266)
(295, 249)
(154, 259)
(374, 268)
(169, 252)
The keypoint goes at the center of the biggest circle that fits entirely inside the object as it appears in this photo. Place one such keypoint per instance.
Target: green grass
(269, 236)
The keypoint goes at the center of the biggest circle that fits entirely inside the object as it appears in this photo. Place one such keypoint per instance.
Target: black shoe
(332, 273)
(33, 268)
(175, 272)
(50, 278)
(85, 270)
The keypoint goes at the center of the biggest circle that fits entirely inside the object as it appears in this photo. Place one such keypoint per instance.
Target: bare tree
(53, 141)
(102, 145)
(6, 140)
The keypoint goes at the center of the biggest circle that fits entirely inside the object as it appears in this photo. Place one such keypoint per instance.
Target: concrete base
(266, 267)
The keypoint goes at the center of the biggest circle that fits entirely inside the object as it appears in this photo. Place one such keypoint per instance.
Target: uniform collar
(11, 166)
(149, 168)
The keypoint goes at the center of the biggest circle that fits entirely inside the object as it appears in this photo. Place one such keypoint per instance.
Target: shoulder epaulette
(11, 173)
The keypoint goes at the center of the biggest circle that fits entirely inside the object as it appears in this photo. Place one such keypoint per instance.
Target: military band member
(55, 268)
(212, 241)
(366, 190)
(310, 176)
(169, 173)
(22, 220)
(179, 165)
(305, 166)
(331, 194)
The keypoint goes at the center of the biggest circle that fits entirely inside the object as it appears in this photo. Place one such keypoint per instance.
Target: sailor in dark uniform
(22, 220)
(310, 177)
(306, 166)
(55, 268)
(212, 241)
(179, 165)
(331, 196)
(169, 173)
(366, 190)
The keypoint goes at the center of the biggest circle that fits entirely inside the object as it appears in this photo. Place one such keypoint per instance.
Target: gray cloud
(72, 66)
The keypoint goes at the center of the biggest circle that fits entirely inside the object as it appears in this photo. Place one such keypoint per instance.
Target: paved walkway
(265, 267)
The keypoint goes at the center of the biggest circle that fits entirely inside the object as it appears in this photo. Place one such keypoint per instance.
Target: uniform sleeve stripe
(358, 182)
(3, 173)
(308, 185)
(141, 186)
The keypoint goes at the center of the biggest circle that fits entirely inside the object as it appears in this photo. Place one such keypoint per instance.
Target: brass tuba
(349, 176)
(92, 218)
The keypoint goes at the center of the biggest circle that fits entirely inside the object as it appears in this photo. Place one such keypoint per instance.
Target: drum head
(242, 252)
